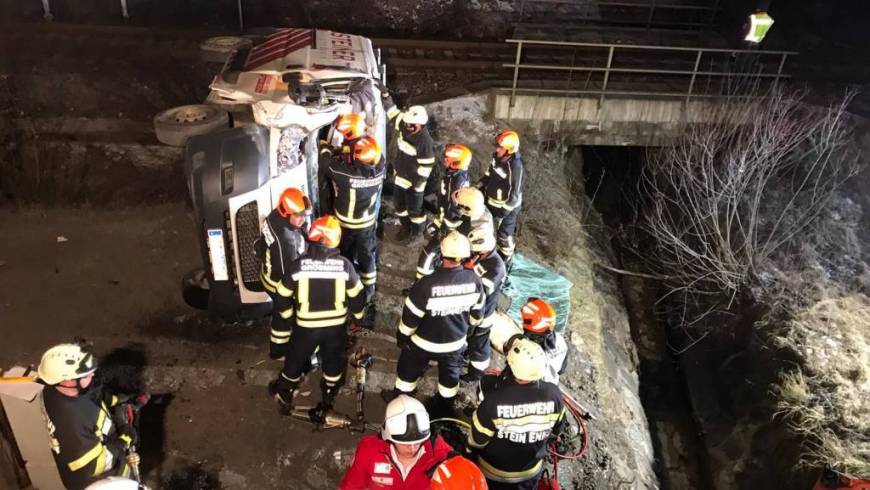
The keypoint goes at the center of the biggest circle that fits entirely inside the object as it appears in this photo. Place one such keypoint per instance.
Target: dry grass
(827, 402)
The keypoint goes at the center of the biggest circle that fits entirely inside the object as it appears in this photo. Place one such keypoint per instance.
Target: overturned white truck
(257, 134)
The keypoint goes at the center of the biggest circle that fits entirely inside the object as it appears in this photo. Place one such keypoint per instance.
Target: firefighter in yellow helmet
(87, 441)
(282, 240)
(357, 183)
(318, 293)
(502, 184)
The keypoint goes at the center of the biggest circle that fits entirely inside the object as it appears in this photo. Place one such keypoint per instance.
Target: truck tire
(218, 49)
(194, 289)
(174, 126)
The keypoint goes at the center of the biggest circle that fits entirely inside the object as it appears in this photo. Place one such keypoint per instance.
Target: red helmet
(458, 473)
(538, 316)
(293, 201)
(326, 231)
(457, 157)
(352, 125)
(367, 150)
(509, 140)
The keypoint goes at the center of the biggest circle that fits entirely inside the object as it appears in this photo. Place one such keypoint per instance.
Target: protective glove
(431, 230)
(127, 434)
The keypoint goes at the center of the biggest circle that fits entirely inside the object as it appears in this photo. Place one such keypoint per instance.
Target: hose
(584, 434)
(455, 421)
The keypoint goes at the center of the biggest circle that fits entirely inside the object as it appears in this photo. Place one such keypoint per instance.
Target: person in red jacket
(402, 457)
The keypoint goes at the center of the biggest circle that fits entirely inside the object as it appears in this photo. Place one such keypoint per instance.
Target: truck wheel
(195, 290)
(174, 126)
(218, 49)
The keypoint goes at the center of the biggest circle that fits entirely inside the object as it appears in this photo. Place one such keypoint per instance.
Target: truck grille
(248, 231)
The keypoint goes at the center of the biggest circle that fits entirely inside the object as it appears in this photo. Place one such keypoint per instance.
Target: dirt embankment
(556, 229)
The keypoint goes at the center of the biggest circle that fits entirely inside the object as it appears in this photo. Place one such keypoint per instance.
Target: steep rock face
(558, 229)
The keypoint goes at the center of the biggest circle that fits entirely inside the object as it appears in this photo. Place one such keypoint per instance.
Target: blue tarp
(529, 278)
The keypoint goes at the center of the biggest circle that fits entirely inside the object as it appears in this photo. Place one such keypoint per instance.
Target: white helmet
(470, 202)
(114, 483)
(416, 114)
(455, 246)
(526, 360)
(406, 421)
(65, 362)
(482, 239)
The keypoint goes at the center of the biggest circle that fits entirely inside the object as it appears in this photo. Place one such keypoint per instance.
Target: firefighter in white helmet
(473, 215)
(412, 166)
(402, 456)
(487, 264)
(519, 414)
(438, 312)
(87, 441)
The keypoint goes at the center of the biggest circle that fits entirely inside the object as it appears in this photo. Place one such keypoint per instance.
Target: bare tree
(734, 190)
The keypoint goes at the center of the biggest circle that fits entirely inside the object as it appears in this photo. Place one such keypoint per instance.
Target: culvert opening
(611, 175)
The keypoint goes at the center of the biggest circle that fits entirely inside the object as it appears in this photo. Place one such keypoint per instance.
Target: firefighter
(502, 184)
(473, 214)
(412, 167)
(318, 292)
(456, 160)
(88, 443)
(402, 456)
(439, 310)
(518, 416)
(487, 263)
(458, 473)
(338, 145)
(539, 326)
(357, 183)
(282, 241)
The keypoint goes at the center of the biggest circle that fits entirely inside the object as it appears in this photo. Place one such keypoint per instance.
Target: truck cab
(282, 93)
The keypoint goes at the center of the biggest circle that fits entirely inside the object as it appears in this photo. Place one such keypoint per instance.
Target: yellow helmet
(325, 230)
(509, 140)
(351, 126)
(457, 157)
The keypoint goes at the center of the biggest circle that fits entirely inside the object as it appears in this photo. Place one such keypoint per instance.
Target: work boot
(472, 375)
(415, 233)
(282, 390)
(327, 395)
(440, 407)
(368, 320)
(404, 231)
(389, 395)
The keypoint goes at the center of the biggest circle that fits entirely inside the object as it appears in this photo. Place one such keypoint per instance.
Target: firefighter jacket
(319, 290)
(280, 243)
(440, 309)
(493, 273)
(512, 425)
(416, 155)
(374, 466)
(485, 221)
(448, 214)
(85, 441)
(502, 185)
(357, 190)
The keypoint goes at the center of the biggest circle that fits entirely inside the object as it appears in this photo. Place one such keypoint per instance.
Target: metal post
(46, 8)
(713, 12)
(694, 74)
(124, 10)
(652, 11)
(781, 66)
(241, 18)
(516, 73)
(606, 78)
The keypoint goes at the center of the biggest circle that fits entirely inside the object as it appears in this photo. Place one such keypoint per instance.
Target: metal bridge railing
(648, 67)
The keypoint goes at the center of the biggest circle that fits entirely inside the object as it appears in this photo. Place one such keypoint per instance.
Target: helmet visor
(407, 428)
